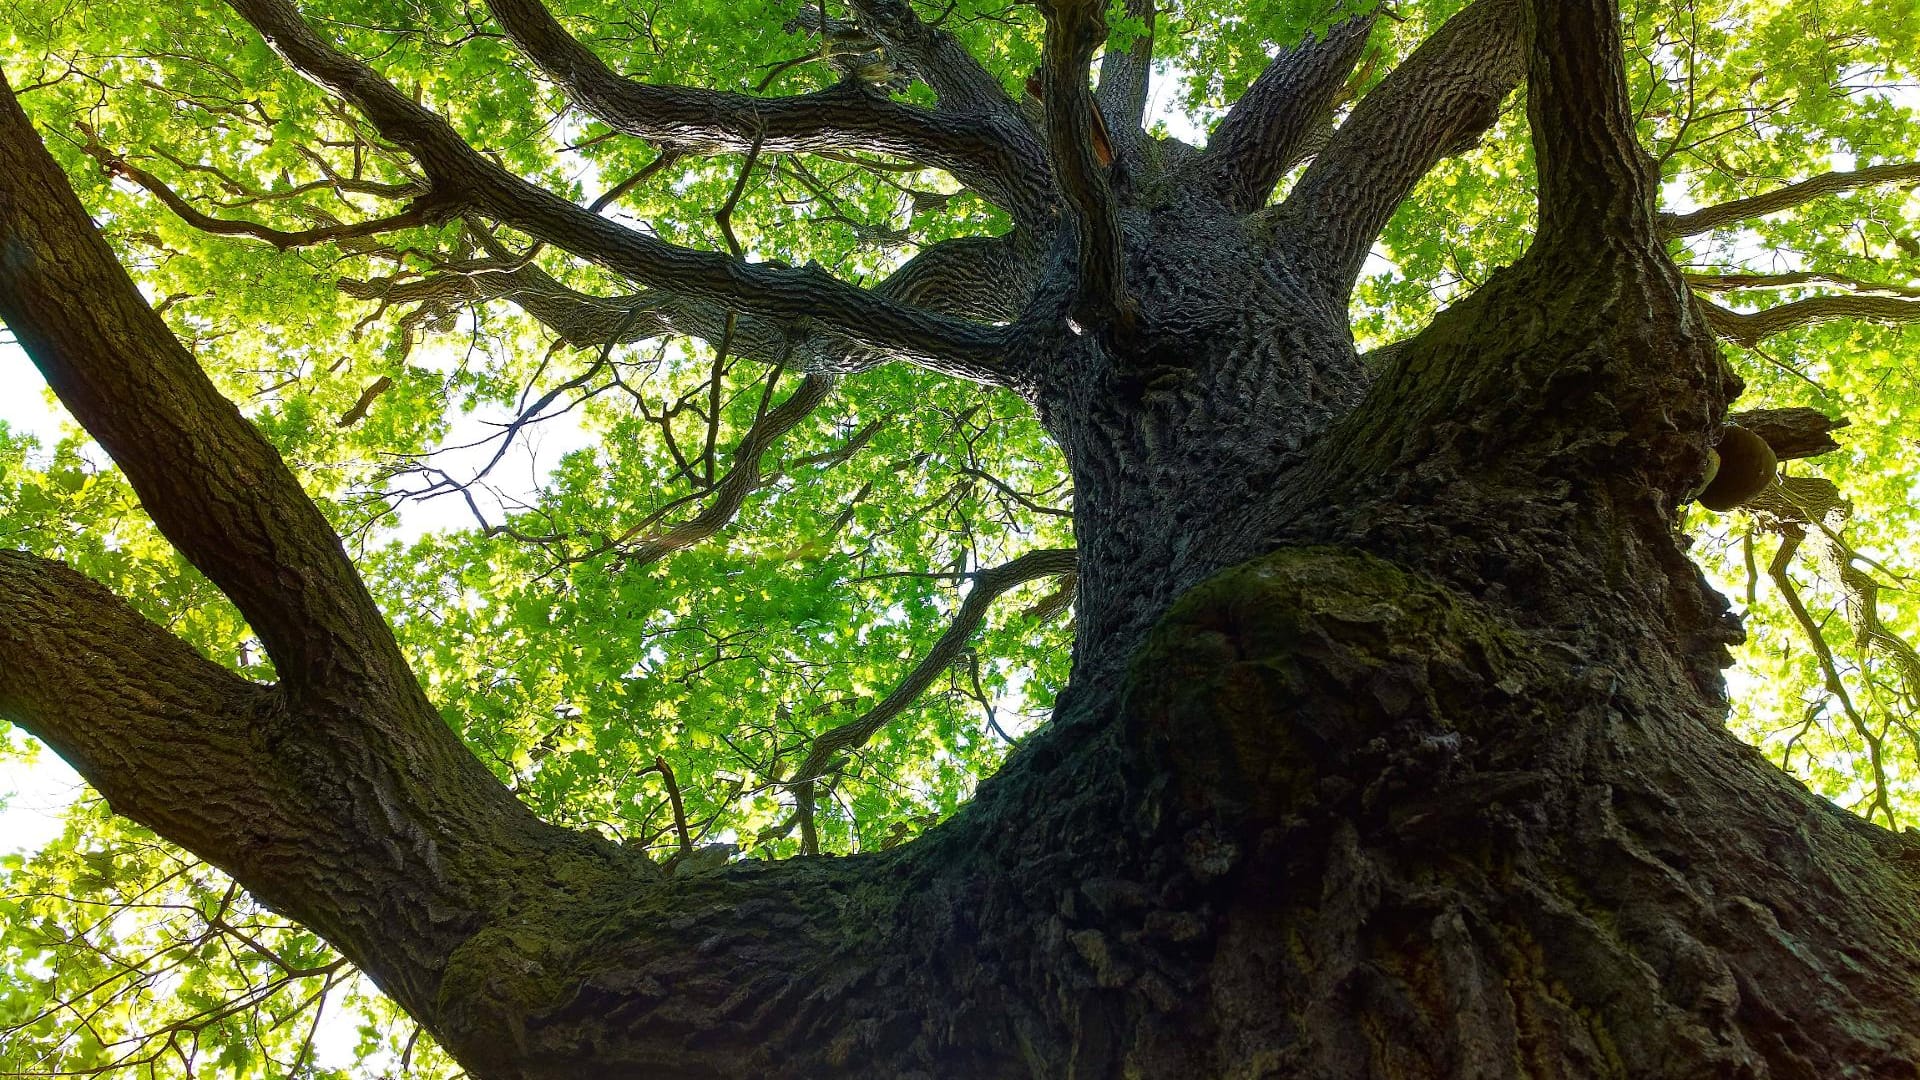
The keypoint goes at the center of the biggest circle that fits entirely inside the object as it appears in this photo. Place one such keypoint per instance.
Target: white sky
(33, 795)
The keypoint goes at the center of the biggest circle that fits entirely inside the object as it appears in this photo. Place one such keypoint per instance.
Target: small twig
(673, 798)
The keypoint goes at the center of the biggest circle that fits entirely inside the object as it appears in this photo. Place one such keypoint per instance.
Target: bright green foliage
(571, 672)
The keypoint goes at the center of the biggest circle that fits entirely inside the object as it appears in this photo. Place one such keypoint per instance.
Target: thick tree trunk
(1436, 787)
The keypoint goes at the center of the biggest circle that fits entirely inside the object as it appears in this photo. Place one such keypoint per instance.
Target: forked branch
(314, 765)
(1284, 115)
(988, 585)
(1435, 104)
(938, 59)
(844, 117)
(976, 277)
(730, 494)
(416, 214)
(217, 490)
(804, 295)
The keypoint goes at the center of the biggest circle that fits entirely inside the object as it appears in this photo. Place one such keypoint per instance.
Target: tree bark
(1393, 744)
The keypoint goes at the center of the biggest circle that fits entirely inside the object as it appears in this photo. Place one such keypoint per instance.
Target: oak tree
(1359, 433)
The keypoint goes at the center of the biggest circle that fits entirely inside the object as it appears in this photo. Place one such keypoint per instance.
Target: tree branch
(1124, 75)
(938, 59)
(973, 276)
(418, 213)
(844, 117)
(1074, 29)
(1751, 329)
(1786, 198)
(1728, 282)
(988, 585)
(352, 806)
(212, 484)
(1435, 104)
(732, 490)
(796, 295)
(1283, 116)
(1792, 432)
(108, 691)
(1596, 183)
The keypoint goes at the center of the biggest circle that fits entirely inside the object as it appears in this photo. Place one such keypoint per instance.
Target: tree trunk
(1437, 786)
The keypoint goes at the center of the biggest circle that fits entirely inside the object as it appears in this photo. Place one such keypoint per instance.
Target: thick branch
(354, 808)
(845, 117)
(582, 320)
(806, 294)
(1284, 115)
(390, 850)
(162, 732)
(1434, 105)
(938, 59)
(988, 586)
(1793, 432)
(1074, 29)
(1124, 75)
(212, 484)
(973, 276)
(1786, 198)
(1595, 181)
(1751, 329)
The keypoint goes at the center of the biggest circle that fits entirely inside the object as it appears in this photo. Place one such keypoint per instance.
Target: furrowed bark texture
(1393, 746)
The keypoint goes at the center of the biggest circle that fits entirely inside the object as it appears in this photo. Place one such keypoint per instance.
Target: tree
(1393, 741)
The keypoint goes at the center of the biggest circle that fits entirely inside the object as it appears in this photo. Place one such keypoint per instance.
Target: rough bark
(1393, 746)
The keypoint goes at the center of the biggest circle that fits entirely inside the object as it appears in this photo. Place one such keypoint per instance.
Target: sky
(34, 790)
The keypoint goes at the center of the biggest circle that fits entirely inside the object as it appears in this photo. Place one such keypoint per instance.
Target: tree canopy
(753, 549)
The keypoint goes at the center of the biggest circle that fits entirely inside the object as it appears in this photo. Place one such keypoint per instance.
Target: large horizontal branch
(1075, 28)
(1285, 115)
(978, 152)
(804, 295)
(1794, 278)
(1752, 328)
(1595, 180)
(1786, 198)
(1435, 104)
(988, 585)
(1792, 432)
(975, 277)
